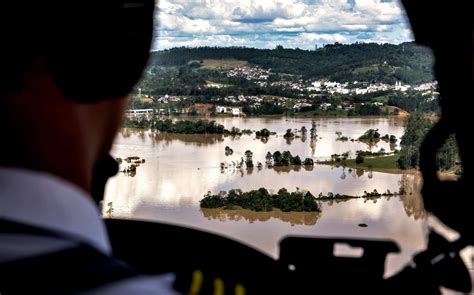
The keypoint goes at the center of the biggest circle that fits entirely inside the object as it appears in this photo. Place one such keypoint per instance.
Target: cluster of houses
(163, 99)
(169, 99)
(344, 106)
(234, 111)
(249, 73)
(231, 99)
(261, 76)
(360, 88)
(289, 84)
(207, 108)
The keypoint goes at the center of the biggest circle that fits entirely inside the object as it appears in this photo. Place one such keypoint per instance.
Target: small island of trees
(264, 133)
(371, 135)
(261, 200)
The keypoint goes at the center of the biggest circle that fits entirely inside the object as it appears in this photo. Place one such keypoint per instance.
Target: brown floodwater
(180, 169)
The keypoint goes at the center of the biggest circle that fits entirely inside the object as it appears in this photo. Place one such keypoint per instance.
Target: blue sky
(268, 23)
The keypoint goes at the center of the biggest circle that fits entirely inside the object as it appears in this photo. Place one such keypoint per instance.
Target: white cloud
(359, 27)
(326, 38)
(291, 23)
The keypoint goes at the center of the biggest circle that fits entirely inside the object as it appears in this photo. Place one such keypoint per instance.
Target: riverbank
(388, 164)
(391, 112)
(310, 114)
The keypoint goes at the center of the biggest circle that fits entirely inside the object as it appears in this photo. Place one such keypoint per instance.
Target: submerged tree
(370, 135)
(269, 157)
(263, 133)
(249, 159)
(228, 151)
(303, 130)
(313, 131)
(289, 134)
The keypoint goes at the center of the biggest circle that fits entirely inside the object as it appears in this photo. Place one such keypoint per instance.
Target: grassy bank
(382, 163)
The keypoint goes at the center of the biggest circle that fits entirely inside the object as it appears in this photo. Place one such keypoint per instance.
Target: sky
(268, 23)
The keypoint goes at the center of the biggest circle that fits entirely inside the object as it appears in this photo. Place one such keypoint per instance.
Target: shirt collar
(43, 200)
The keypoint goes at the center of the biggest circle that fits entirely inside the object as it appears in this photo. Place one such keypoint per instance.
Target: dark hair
(93, 49)
(16, 55)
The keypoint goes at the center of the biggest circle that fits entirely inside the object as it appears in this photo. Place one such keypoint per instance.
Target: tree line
(416, 128)
(181, 126)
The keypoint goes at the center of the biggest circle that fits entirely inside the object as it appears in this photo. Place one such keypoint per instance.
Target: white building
(139, 112)
(400, 87)
(331, 84)
(360, 91)
(325, 106)
(221, 109)
(228, 110)
(301, 105)
(236, 111)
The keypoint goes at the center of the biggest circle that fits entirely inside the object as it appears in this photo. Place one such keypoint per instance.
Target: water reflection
(412, 205)
(395, 218)
(413, 202)
(293, 218)
(167, 138)
(234, 168)
(197, 139)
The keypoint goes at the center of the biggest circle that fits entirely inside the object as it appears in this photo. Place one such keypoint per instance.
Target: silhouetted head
(66, 70)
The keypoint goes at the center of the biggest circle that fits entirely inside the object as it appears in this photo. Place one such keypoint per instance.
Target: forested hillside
(406, 62)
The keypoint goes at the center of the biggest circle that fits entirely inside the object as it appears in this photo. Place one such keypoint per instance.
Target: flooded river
(180, 169)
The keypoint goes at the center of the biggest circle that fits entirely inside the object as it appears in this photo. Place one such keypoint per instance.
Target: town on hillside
(334, 80)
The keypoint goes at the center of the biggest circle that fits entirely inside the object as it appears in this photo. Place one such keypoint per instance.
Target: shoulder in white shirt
(48, 202)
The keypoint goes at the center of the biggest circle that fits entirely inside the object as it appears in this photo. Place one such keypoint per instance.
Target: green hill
(388, 63)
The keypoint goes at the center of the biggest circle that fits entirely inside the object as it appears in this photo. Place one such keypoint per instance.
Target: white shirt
(45, 201)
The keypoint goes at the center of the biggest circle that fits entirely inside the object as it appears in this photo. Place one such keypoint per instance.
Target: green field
(220, 64)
